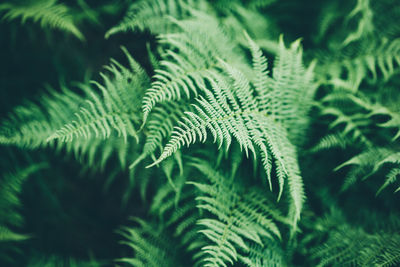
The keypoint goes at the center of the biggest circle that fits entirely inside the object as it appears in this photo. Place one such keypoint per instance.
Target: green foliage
(209, 141)
(48, 13)
(242, 225)
(114, 111)
(348, 245)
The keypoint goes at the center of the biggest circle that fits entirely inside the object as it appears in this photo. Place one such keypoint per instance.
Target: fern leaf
(155, 15)
(230, 111)
(365, 24)
(11, 187)
(115, 111)
(188, 62)
(149, 244)
(48, 13)
(7, 235)
(242, 220)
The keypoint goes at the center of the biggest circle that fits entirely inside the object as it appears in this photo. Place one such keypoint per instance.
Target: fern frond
(370, 61)
(149, 244)
(114, 114)
(48, 13)
(332, 141)
(365, 25)
(349, 246)
(115, 111)
(231, 111)
(11, 187)
(259, 256)
(6, 235)
(288, 95)
(155, 15)
(241, 219)
(192, 54)
(393, 122)
(353, 125)
(369, 162)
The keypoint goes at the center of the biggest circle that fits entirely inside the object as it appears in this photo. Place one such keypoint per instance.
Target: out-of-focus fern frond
(365, 24)
(150, 245)
(348, 246)
(369, 61)
(155, 15)
(370, 162)
(40, 260)
(11, 187)
(6, 235)
(48, 13)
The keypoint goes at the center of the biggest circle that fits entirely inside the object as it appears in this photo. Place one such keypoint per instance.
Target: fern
(48, 13)
(184, 72)
(354, 247)
(231, 110)
(10, 190)
(215, 77)
(97, 117)
(155, 15)
(7, 235)
(365, 24)
(244, 221)
(147, 243)
(370, 162)
(116, 111)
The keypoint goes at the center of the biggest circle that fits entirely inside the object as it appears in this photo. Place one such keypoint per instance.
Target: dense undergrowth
(199, 133)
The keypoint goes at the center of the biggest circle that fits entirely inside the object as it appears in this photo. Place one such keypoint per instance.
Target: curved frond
(240, 220)
(191, 56)
(48, 13)
(231, 111)
(155, 15)
(115, 111)
(149, 244)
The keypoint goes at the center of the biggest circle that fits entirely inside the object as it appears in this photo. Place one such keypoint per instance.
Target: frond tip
(48, 13)
(115, 110)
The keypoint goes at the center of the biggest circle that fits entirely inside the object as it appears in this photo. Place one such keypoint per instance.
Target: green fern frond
(155, 15)
(394, 118)
(149, 244)
(365, 25)
(48, 13)
(242, 219)
(288, 95)
(354, 247)
(11, 187)
(39, 125)
(368, 61)
(6, 235)
(191, 55)
(115, 111)
(370, 162)
(332, 141)
(259, 256)
(231, 111)
(353, 125)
